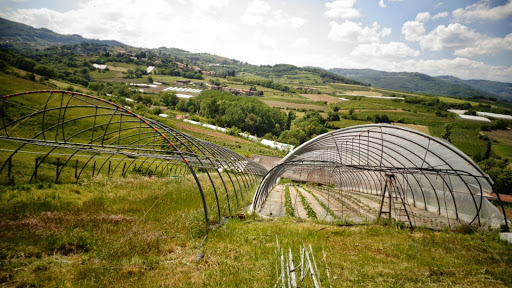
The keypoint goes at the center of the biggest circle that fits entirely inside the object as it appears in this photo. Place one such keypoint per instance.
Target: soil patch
(504, 136)
(362, 93)
(421, 128)
(285, 105)
(323, 98)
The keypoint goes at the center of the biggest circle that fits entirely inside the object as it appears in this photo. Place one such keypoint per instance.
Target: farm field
(147, 228)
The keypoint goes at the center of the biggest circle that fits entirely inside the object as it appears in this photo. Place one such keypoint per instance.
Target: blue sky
(466, 39)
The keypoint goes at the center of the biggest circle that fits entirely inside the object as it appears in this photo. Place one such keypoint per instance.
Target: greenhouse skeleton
(400, 167)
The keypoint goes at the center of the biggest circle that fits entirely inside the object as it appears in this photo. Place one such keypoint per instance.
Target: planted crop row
(288, 202)
(311, 213)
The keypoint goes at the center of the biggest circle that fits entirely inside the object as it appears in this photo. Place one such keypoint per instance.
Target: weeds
(311, 213)
(288, 202)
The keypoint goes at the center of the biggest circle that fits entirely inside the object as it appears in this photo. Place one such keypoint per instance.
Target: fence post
(9, 168)
(76, 169)
(57, 171)
(35, 170)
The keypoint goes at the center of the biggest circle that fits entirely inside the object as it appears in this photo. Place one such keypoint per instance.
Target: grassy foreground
(145, 232)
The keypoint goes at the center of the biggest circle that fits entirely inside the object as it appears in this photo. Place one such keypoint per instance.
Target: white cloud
(423, 16)
(486, 46)
(300, 43)
(355, 32)
(383, 4)
(389, 50)
(413, 30)
(342, 9)
(482, 10)
(463, 41)
(260, 13)
(440, 15)
(460, 67)
(438, 5)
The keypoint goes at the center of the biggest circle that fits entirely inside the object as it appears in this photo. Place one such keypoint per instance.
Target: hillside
(498, 88)
(422, 83)
(17, 36)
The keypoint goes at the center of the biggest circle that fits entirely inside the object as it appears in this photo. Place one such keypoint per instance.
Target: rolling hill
(418, 82)
(18, 37)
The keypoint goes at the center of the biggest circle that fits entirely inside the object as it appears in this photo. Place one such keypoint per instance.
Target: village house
(182, 82)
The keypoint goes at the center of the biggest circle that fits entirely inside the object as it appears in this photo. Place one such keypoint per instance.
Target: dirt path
(274, 205)
(341, 210)
(320, 212)
(299, 210)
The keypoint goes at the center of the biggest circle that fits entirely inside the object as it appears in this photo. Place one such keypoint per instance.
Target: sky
(469, 39)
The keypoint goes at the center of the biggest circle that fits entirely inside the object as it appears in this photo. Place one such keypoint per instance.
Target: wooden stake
(57, 171)
(35, 171)
(314, 263)
(9, 168)
(292, 269)
(311, 269)
(76, 169)
(282, 268)
(326, 268)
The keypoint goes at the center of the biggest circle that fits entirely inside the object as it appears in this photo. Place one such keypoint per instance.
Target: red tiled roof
(504, 197)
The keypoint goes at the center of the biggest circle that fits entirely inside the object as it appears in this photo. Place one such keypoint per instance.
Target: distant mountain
(498, 88)
(417, 82)
(19, 36)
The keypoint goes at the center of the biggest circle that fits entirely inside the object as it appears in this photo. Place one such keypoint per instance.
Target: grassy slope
(140, 231)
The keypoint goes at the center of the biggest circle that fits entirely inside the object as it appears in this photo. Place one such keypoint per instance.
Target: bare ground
(274, 205)
(283, 105)
(323, 98)
(297, 204)
(421, 128)
(320, 212)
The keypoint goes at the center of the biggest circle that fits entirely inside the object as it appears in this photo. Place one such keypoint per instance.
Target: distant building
(182, 82)
(99, 66)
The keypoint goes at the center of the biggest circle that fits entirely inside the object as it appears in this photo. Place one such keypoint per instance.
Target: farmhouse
(182, 82)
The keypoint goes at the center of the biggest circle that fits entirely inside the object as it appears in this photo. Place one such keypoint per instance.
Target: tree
(169, 99)
(333, 116)
(150, 79)
(290, 117)
(43, 70)
(447, 132)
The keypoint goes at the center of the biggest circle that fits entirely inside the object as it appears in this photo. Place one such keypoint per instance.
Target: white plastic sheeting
(431, 173)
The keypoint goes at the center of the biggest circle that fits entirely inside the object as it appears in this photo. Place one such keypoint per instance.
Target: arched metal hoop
(430, 173)
(83, 135)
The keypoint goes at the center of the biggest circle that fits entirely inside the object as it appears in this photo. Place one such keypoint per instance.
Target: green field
(140, 231)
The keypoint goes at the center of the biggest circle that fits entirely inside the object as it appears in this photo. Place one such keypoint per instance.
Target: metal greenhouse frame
(394, 162)
(88, 135)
